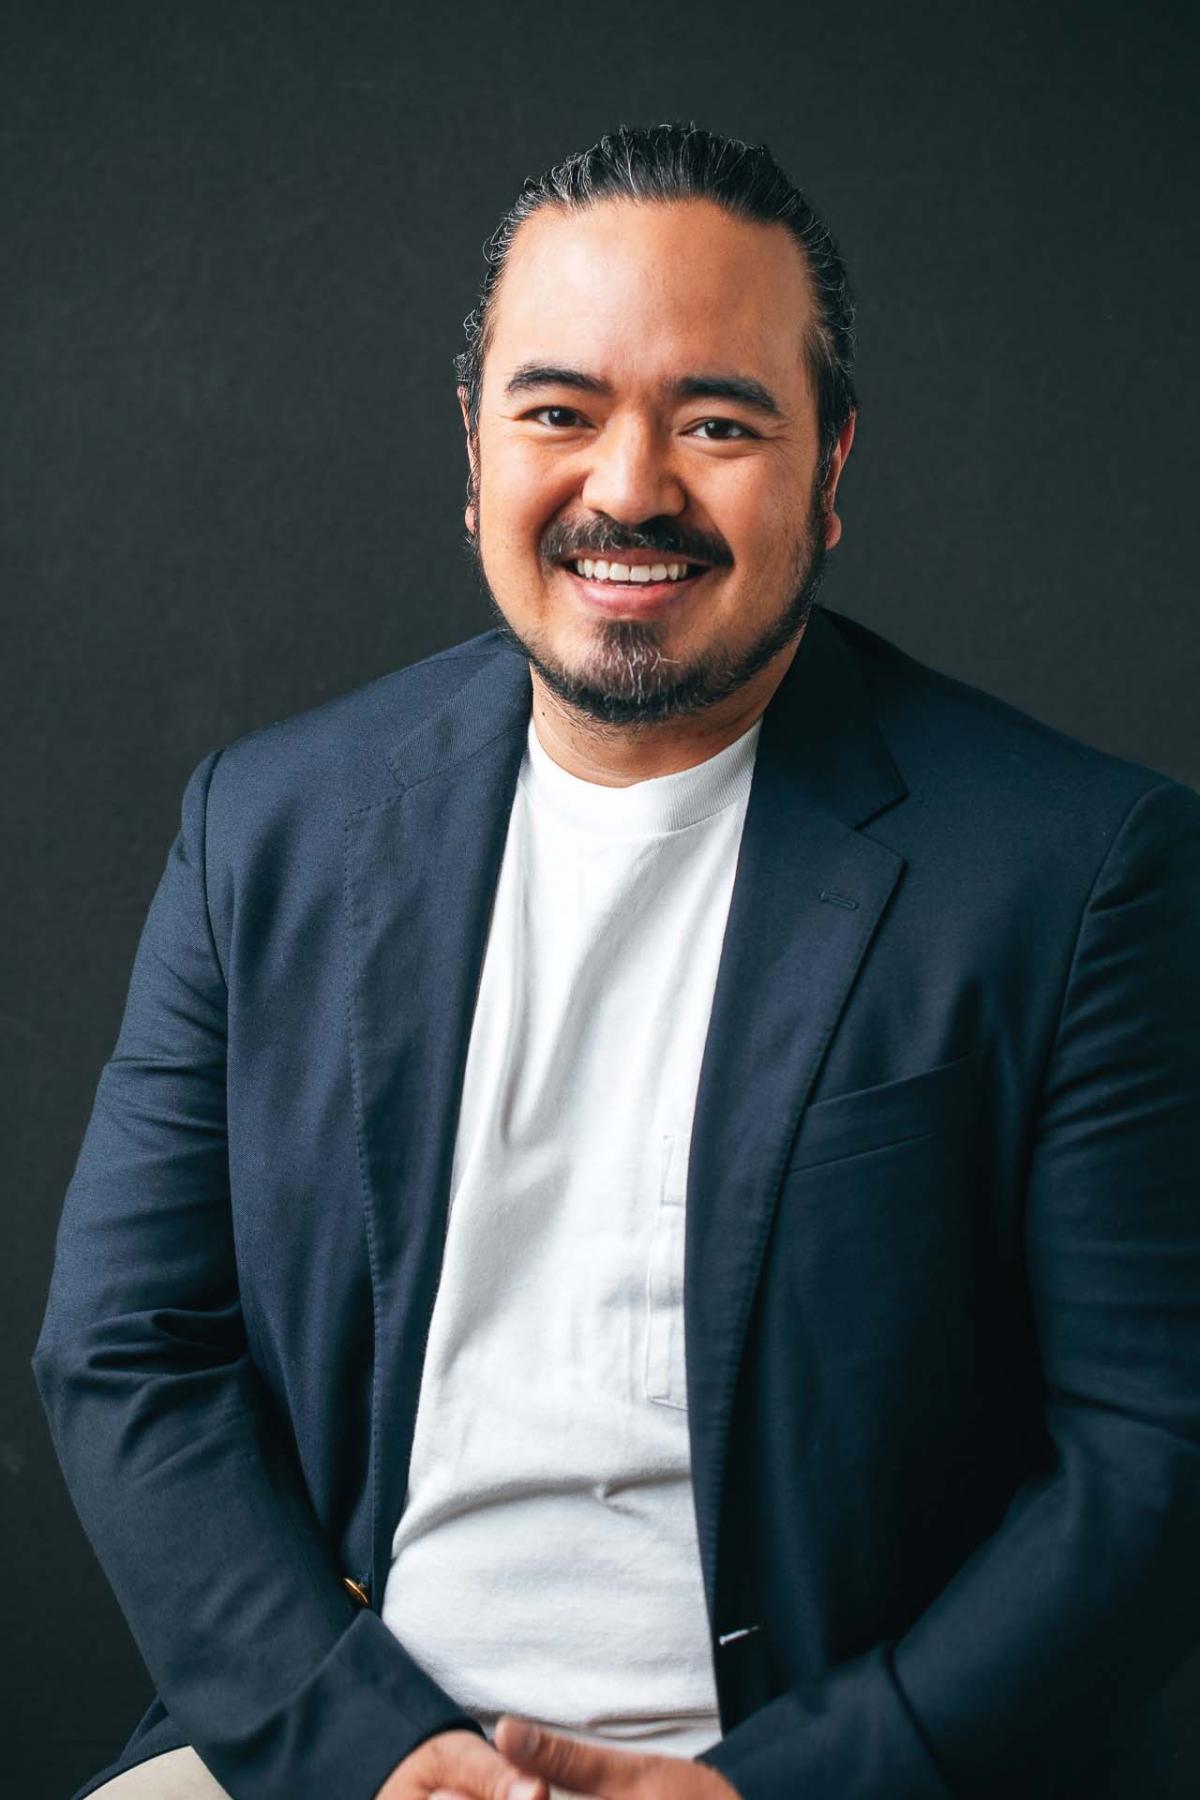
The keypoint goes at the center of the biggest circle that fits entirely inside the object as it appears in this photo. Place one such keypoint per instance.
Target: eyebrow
(743, 389)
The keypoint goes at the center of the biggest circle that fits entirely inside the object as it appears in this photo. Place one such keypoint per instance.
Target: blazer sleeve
(185, 1485)
(1086, 1598)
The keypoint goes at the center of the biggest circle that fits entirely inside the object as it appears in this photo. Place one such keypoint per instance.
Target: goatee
(626, 679)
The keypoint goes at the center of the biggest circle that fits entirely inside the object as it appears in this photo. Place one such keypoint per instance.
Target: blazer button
(356, 1591)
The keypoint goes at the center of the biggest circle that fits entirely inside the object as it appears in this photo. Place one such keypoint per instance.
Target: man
(650, 1151)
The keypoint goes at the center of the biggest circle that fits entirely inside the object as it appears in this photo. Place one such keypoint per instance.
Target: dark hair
(676, 162)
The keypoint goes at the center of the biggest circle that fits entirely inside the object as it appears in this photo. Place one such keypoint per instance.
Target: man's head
(659, 364)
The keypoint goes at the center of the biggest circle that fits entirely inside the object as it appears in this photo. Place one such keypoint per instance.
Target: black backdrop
(240, 242)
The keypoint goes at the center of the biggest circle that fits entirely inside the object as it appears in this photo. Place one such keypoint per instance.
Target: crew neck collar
(659, 805)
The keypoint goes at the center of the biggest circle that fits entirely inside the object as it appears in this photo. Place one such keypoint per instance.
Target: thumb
(581, 1768)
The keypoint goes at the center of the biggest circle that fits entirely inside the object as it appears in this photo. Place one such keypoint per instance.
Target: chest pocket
(937, 1100)
(664, 1377)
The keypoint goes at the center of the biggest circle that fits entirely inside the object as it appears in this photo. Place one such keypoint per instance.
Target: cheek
(750, 507)
(777, 513)
(522, 488)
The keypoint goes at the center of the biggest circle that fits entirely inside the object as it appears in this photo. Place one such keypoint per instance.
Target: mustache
(600, 541)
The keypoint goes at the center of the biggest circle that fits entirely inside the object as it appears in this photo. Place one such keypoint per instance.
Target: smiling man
(637, 1238)
(662, 485)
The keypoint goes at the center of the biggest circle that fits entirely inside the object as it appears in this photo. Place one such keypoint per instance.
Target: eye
(571, 414)
(745, 431)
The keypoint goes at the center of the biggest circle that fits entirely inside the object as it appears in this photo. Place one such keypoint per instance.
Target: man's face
(610, 456)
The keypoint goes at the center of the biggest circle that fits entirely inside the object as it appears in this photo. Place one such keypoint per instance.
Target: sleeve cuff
(365, 1708)
(848, 1736)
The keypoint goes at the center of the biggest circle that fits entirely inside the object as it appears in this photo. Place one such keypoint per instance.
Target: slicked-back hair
(682, 162)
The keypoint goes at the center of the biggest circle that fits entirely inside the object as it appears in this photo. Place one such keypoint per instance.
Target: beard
(625, 679)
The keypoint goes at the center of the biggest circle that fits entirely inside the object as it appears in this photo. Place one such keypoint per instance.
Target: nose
(630, 476)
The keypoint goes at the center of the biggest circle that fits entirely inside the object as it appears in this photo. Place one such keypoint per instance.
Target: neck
(619, 755)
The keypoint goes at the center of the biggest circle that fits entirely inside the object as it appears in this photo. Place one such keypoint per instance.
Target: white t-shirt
(546, 1562)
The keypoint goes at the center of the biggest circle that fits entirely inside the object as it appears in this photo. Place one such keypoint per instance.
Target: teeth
(605, 571)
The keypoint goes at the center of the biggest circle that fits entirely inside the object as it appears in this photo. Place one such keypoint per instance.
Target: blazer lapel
(808, 894)
(420, 875)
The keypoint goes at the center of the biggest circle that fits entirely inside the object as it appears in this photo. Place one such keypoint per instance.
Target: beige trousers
(176, 1775)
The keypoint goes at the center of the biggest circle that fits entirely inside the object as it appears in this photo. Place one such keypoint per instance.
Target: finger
(583, 1768)
(464, 1763)
(444, 1793)
(454, 1793)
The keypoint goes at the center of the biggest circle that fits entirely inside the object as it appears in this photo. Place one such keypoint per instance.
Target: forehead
(639, 287)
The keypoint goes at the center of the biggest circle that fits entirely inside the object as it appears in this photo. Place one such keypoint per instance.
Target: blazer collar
(819, 727)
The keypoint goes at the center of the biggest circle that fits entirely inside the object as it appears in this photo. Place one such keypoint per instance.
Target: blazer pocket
(889, 1113)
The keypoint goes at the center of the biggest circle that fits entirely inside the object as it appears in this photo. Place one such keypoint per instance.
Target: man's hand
(458, 1762)
(593, 1770)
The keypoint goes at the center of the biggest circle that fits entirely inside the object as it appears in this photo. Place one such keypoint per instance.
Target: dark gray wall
(240, 242)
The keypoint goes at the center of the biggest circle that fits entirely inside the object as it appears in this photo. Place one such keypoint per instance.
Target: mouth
(632, 587)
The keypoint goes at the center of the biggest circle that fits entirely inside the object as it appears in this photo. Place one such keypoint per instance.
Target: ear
(833, 525)
(469, 514)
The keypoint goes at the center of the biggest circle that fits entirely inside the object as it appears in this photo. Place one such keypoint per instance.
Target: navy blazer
(942, 1288)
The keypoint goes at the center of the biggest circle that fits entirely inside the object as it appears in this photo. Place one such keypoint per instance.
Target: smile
(619, 588)
(633, 574)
